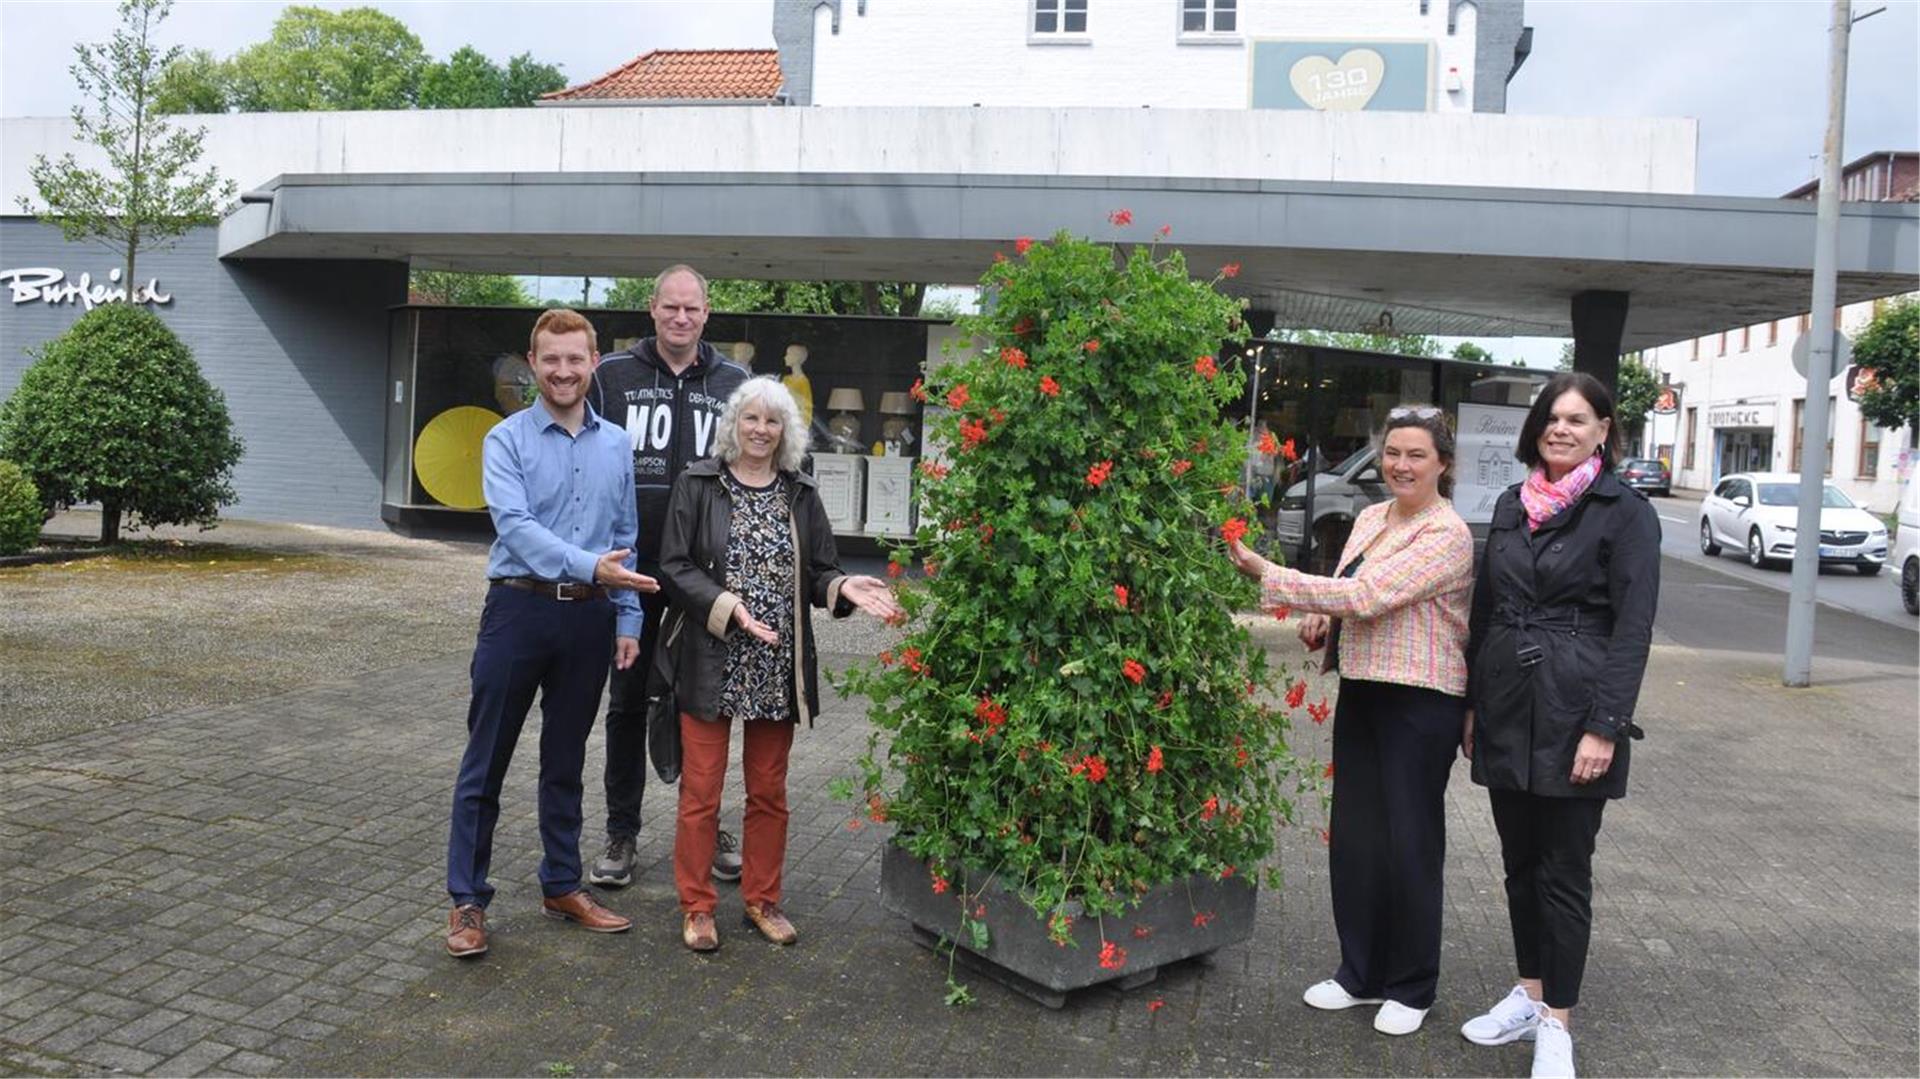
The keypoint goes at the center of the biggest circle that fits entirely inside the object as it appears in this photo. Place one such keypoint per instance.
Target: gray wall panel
(299, 349)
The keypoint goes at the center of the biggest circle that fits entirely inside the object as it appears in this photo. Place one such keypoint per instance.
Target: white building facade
(1740, 407)
(1318, 55)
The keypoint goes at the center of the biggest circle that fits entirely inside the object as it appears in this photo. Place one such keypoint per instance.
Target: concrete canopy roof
(1439, 260)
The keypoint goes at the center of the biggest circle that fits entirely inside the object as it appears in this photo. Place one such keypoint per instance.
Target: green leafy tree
(116, 411)
(318, 60)
(1405, 344)
(1889, 350)
(468, 289)
(1565, 362)
(897, 298)
(21, 514)
(194, 82)
(1636, 388)
(1472, 353)
(150, 193)
(527, 79)
(1074, 709)
(465, 80)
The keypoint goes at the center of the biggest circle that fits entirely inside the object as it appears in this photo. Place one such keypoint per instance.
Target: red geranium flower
(1226, 871)
(1287, 450)
(1234, 530)
(1269, 445)
(1133, 671)
(894, 569)
(933, 470)
(1112, 956)
(1098, 474)
(1165, 701)
(1296, 693)
(1206, 367)
(939, 884)
(1203, 919)
(1013, 357)
(972, 433)
(1024, 326)
(1022, 245)
(1281, 612)
(1319, 710)
(1155, 762)
(1048, 386)
(1328, 774)
(1166, 230)
(1120, 595)
(1231, 269)
(958, 396)
(1142, 932)
(1121, 217)
(1180, 467)
(1096, 769)
(1155, 1005)
(1092, 346)
(1210, 807)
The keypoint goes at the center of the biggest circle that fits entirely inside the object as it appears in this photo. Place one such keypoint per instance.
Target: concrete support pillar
(1599, 317)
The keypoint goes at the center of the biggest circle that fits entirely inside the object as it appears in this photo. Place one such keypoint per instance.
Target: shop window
(1867, 467)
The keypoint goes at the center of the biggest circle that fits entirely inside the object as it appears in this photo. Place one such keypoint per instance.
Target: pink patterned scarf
(1543, 498)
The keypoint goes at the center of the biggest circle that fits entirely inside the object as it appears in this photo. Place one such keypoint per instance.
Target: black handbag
(663, 710)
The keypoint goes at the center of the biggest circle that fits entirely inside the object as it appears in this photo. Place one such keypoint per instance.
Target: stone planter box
(1162, 929)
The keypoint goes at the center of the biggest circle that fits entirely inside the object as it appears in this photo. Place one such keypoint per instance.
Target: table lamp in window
(844, 427)
(897, 430)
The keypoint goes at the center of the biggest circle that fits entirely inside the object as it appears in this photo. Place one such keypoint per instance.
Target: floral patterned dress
(760, 570)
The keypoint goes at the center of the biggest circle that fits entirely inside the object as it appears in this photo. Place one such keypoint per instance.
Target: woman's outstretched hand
(1314, 629)
(759, 629)
(1246, 561)
(872, 595)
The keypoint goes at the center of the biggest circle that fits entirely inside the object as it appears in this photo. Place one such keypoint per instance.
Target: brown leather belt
(565, 591)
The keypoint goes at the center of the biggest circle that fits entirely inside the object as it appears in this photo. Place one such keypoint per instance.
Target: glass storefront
(454, 371)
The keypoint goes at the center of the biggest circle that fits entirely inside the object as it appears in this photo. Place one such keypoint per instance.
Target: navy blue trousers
(528, 643)
(1393, 749)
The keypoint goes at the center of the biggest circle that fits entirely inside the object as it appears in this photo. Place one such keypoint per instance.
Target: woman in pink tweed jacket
(1394, 622)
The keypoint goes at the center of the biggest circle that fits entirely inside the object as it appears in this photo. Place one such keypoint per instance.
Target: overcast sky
(1752, 72)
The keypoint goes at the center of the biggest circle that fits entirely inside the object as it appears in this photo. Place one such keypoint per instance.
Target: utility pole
(1813, 458)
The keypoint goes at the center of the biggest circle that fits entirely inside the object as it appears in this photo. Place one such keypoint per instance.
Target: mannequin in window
(797, 381)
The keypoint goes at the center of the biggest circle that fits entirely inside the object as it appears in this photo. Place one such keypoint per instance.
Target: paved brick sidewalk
(256, 888)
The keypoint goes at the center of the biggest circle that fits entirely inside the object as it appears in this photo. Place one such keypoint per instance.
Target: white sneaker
(1396, 1018)
(1552, 1050)
(1512, 1020)
(1331, 996)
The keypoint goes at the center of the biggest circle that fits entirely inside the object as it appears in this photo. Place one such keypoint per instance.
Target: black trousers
(1546, 845)
(1393, 749)
(528, 644)
(626, 768)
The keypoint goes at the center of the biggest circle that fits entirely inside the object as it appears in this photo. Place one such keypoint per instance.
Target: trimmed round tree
(20, 513)
(116, 411)
(1074, 710)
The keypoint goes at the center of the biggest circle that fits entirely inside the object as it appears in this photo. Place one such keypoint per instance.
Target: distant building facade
(1740, 404)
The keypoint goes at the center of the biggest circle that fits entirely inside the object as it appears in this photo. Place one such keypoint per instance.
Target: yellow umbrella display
(446, 456)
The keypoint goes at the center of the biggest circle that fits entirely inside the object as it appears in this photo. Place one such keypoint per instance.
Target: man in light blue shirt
(559, 484)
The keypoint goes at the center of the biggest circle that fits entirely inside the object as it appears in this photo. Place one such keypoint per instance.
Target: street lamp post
(1813, 458)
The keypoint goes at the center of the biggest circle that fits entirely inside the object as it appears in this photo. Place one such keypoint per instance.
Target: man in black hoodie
(667, 391)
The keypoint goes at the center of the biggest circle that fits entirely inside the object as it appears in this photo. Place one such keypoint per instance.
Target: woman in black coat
(745, 551)
(1562, 616)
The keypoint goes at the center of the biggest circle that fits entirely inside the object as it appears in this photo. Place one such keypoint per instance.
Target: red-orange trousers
(764, 749)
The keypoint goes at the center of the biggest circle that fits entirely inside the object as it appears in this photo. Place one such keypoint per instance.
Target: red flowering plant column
(1075, 717)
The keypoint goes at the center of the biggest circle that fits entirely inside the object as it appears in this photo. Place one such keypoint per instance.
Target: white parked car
(1757, 512)
(1906, 545)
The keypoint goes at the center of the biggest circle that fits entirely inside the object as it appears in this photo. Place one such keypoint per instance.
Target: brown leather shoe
(582, 909)
(772, 924)
(466, 931)
(697, 931)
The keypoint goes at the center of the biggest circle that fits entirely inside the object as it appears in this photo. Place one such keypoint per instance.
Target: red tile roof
(684, 74)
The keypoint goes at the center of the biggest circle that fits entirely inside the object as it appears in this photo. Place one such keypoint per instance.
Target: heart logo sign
(1345, 86)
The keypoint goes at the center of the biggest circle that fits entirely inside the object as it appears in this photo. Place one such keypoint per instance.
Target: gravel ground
(187, 619)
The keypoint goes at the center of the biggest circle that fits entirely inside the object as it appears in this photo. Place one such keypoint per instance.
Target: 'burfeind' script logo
(51, 287)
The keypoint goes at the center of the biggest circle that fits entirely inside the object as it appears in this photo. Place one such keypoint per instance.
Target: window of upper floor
(1057, 22)
(1209, 22)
